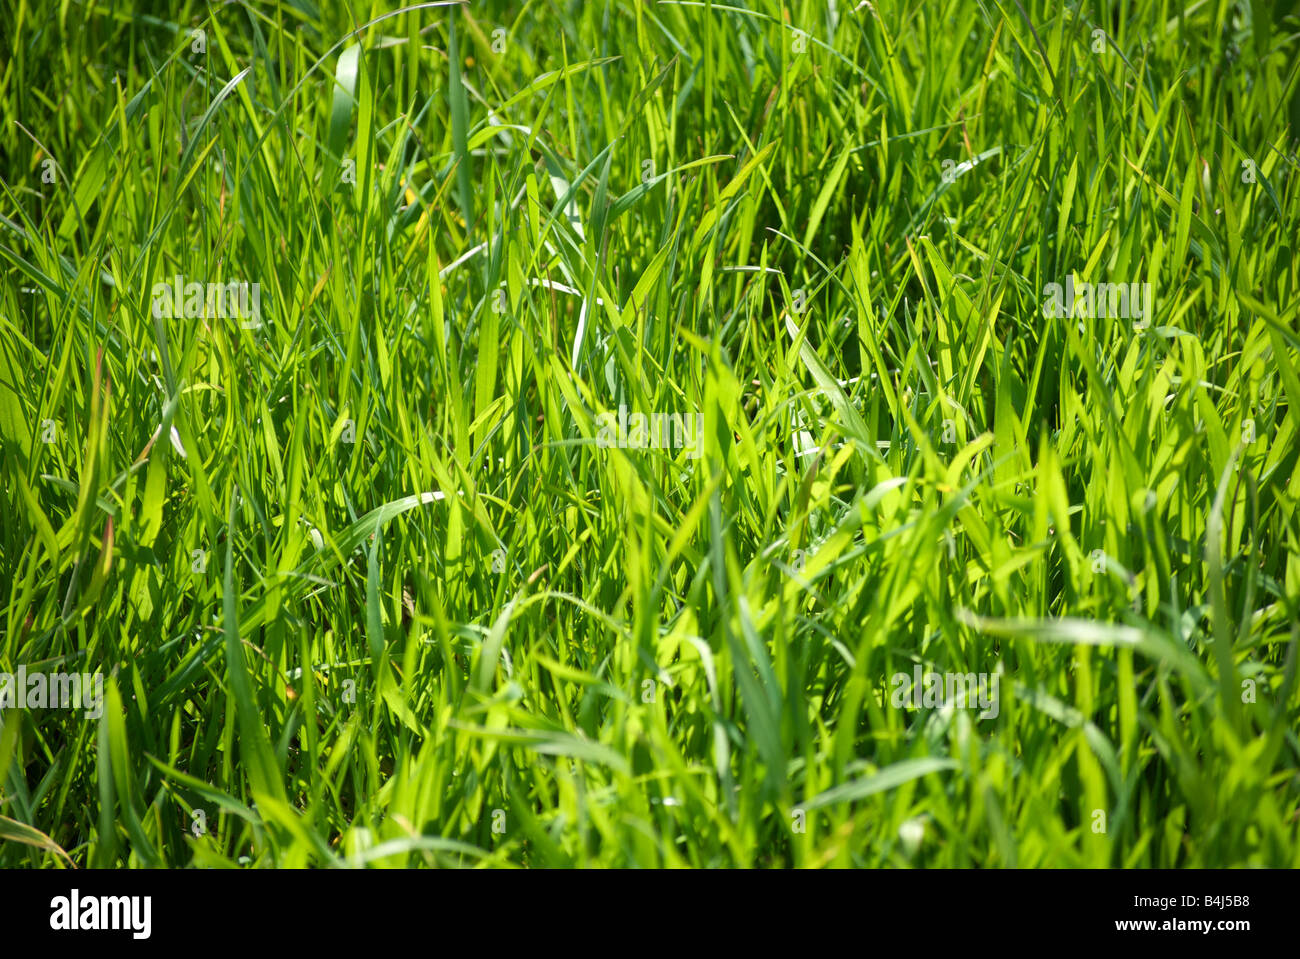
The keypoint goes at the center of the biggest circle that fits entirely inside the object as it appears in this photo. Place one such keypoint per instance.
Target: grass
(367, 584)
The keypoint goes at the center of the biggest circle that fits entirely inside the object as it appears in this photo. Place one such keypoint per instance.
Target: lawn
(650, 434)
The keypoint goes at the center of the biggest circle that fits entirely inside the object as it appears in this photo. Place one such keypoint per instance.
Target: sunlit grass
(368, 584)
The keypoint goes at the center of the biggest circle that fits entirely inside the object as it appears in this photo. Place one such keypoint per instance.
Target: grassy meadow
(607, 434)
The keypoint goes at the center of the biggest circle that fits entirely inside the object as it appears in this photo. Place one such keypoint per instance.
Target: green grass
(365, 585)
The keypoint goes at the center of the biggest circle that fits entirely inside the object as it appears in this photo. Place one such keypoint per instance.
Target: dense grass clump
(616, 433)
